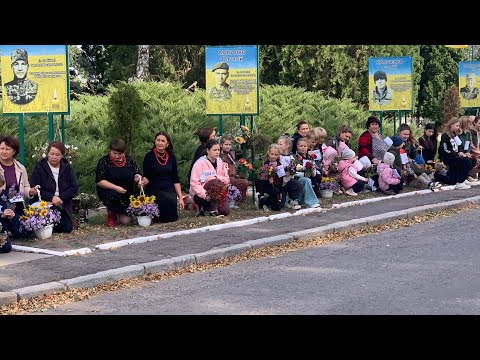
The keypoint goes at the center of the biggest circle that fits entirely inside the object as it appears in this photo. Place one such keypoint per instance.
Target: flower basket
(328, 183)
(326, 194)
(44, 232)
(36, 217)
(143, 206)
(144, 220)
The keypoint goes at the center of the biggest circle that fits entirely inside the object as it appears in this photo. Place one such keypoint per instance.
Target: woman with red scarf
(161, 174)
(115, 176)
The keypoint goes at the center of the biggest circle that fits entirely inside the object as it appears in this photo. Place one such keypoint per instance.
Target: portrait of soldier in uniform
(382, 95)
(221, 91)
(20, 90)
(469, 92)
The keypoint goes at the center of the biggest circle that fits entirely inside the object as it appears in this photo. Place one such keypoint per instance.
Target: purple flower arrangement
(328, 183)
(143, 206)
(37, 217)
(234, 194)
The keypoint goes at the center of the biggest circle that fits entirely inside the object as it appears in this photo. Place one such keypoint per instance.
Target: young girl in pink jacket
(351, 181)
(388, 181)
(209, 168)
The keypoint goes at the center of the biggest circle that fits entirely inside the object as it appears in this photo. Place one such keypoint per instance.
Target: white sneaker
(472, 179)
(293, 204)
(351, 192)
(466, 182)
(314, 205)
(462, 186)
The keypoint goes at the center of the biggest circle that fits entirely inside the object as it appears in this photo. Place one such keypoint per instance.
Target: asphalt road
(429, 268)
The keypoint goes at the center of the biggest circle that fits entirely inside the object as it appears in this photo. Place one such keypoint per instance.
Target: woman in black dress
(116, 174)
(161, 173)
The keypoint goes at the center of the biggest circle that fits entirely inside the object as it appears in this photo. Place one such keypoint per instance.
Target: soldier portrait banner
(35, 79)
(468, 83)
(390, 83)
(232, 80)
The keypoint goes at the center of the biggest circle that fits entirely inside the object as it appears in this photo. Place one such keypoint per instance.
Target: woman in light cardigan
(206, 168)
(15, 176)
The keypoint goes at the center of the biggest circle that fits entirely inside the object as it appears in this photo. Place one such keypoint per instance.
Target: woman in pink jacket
(387, 180)
(207, 168)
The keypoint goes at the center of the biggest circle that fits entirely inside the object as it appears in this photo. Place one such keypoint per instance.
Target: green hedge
(167, 106)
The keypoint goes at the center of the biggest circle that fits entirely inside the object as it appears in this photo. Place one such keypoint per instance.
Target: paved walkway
(46, 274)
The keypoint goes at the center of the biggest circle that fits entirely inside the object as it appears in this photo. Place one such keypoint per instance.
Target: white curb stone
(104, 277)
(216, 254)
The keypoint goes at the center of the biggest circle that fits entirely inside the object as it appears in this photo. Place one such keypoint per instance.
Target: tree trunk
(142, 62)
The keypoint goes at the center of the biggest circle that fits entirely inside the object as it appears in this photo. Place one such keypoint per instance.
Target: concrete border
(160, 266)
(125, 242)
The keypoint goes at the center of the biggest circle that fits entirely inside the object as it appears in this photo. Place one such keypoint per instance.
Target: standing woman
(116, 173)
(161, 173)
(58, 183)
(15, 176)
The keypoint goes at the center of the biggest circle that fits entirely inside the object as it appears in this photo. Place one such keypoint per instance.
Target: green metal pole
(252, 173)
(220, 125)
(63, 128)
(381, 117)
(244, 148)
(22, 138)
(394, 121)
(50, 128)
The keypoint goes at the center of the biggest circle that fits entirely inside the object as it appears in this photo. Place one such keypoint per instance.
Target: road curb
(131, 271)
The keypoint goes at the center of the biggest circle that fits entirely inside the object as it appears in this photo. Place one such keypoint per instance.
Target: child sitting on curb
(351, 181)
(388, 179)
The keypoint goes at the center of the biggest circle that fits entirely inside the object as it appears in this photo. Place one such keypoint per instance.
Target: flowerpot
(44, 233)
(144, 220)
(326, 194)
(232, 204)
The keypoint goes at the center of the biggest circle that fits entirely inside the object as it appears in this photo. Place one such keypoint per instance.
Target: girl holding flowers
(306, 195)
(271, 183)
(210, 172)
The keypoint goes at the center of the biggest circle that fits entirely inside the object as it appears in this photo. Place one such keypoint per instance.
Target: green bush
(167, 106)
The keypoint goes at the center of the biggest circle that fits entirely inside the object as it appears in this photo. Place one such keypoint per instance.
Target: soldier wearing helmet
(20, 90)
(221, 91)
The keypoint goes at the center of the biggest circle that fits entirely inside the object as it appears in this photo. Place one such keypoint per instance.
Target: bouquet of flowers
(41, 152)
(217, 190)
(328, 183)
(233, 193)
(243, 168)
(143, 206)
(266, 171)
(3, 236)
(309, 166)
(12, 194)
(244, 136)
(292, 166)
(38, 216)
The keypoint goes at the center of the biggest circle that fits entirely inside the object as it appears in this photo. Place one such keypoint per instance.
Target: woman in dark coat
(58, 183)
(115, 177)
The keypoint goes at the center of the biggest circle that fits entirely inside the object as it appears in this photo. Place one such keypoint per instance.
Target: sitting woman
(207, 168)
(115, 176)
(58, 184)
(161, 175)
(16, 180)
